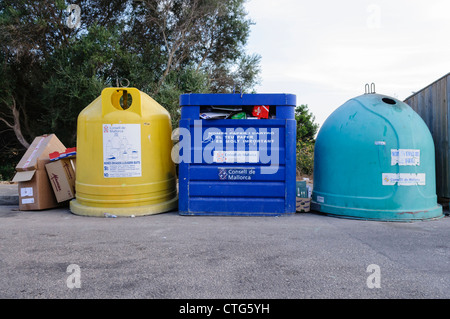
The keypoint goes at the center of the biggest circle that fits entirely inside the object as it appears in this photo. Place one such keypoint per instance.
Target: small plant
(306, 132)
(7, 172)
(305, 157)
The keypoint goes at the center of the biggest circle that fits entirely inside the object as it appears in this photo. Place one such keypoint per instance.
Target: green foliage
(78, 73)
(306, 127)
(187, 81)
(305, 158)
(306, 132)
(50, 71)
(7, 168)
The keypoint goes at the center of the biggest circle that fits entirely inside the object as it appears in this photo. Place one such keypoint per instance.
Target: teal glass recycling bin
(374, 159)
(237, 154)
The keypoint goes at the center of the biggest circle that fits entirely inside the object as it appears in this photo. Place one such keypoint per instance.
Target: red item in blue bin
(261, 111)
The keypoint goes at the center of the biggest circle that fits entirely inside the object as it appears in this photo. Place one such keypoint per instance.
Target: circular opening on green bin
(389, 101)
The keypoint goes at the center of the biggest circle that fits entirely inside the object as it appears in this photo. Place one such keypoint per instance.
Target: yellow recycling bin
(124, 165)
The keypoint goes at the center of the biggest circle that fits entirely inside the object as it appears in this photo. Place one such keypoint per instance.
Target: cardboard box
(35, 191)
(303, 204)
(301, 189)
(303, 193)
(62, 179)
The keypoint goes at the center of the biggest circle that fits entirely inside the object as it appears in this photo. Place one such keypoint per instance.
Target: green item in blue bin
(239, 116)
(302, 190)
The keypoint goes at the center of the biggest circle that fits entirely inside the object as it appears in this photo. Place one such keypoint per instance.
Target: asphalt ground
(54, 254)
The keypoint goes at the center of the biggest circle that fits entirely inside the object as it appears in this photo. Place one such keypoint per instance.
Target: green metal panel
(432, 103)
(374, 159)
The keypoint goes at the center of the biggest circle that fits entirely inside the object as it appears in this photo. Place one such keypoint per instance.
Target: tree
(77, 74)
(209, 35)
(306, 127)
(14, 124)
(306, 133)
(50, 70)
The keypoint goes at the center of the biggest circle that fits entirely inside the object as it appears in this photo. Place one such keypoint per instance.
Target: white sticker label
(26, 191)
(404, 179)
(236, 156)
(27, 200)
(405, 157)
(320, 199)
(122, 150)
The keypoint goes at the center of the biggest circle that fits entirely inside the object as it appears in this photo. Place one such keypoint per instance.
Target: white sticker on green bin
(405, 157)
(404, 179)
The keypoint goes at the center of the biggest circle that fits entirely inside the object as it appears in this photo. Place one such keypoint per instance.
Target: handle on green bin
(111, 100)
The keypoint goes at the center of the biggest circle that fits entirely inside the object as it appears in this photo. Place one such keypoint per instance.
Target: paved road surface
(170, 256)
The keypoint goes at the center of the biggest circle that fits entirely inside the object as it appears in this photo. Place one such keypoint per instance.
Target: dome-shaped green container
(374, 159)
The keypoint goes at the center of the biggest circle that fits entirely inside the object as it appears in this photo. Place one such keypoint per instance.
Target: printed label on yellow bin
(122, 150)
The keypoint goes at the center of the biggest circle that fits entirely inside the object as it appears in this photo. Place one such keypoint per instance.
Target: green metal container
(374, 159)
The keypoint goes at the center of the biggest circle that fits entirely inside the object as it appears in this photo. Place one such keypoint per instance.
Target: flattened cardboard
(303, 204)
(23, 176)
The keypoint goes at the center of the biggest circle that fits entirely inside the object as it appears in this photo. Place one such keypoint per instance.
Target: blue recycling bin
(235, 165)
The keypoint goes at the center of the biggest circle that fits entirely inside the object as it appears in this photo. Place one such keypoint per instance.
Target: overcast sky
(325, 52)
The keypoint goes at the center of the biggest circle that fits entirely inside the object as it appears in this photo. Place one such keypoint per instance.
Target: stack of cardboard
(303, 196)
(35, 190)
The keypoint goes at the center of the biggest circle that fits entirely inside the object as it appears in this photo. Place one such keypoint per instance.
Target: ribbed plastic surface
(124, 164)
(237, 166)
(374, 159)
